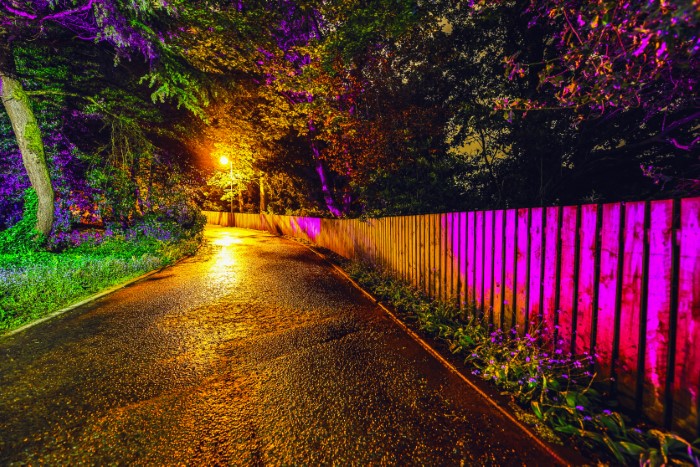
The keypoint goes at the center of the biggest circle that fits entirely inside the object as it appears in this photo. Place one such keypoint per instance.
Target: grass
(556, 387)
(35, 284)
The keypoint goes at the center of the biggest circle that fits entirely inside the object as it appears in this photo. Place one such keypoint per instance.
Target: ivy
(23, 238)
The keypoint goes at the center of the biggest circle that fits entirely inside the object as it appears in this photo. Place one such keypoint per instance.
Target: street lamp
(225, 160)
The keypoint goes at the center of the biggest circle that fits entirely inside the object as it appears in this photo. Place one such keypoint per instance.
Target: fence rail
(619, 280)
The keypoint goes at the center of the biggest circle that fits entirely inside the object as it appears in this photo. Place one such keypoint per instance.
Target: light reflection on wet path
(252, 352)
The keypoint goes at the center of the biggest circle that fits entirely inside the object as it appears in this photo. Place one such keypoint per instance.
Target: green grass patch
(556, 387)
(35, 283)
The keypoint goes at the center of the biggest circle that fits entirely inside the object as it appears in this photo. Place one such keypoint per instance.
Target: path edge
(442, 360)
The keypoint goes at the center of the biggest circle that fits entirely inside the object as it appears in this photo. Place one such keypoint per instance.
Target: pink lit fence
(625, 278)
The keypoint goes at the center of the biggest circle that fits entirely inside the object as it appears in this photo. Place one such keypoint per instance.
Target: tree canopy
(342, 107)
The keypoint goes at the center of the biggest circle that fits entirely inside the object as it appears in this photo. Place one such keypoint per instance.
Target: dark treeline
(342, 108)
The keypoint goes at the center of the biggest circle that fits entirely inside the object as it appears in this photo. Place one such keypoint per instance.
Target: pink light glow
(498, 269)
(523, 257)
(551, 288)
(687, 363)
(658, 309)
(631, 293)
(488, 263)
(566, 289)
(607, 289)
(308, 226)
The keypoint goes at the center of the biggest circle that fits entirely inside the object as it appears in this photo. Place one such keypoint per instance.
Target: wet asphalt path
(253, 352)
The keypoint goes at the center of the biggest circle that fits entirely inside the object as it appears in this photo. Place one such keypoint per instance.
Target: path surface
(252, 352)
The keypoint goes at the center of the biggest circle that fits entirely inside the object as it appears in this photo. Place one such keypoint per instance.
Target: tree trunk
(240, 199)
(28, 136)
(263, 194)
(325, 189)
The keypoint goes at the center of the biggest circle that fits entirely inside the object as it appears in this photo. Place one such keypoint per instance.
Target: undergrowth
(555, 386)
(35, 282)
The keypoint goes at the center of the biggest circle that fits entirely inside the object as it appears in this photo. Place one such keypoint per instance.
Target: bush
(23, 238)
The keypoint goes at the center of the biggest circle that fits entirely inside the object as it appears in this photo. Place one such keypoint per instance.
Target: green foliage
(23, 238)
(557, 388)
(36, 284)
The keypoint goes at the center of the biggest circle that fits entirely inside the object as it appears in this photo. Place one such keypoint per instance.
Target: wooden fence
(620, 280)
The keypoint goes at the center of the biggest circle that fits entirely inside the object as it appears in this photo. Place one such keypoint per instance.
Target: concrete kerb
(435, 354)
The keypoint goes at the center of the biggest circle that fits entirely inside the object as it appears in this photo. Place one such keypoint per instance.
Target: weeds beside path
(33, 285)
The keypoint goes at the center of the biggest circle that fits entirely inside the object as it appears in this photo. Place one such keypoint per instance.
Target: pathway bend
(252, 352)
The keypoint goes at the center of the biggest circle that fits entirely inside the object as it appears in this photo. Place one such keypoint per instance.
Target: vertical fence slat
(479, 262)
(463, 253)
(471, 267)
(522, 268)
(687, 372)
(454, 241)
(498, 249)
(551, 261)
(658, 310)
(488, 265)
(535, 279)
(442, 223)
(510, 262)
(431, 255)
(607, 288)
(424, 268)
(631, 293)
(567, 286)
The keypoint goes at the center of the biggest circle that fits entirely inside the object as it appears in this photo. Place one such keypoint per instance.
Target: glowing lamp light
(223, 160)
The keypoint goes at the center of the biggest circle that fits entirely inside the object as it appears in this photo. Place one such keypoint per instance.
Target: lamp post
(225, 160)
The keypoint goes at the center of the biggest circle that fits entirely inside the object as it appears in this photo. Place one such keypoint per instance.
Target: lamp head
(223, 160)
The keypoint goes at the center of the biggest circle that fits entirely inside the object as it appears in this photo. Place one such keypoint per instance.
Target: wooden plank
(522, 270)
(487, 284)
(436, 254)
(420, 223)
(479, 262)
(587, 278)
(471, 266)
(658, 309)
(567, 279)
(463, 262)
(421, 252)
(442, 257)
(498, 264)
(630, 308)
(430, 259)
(429, 245)
(535, 279)
(511, 234)
(454, 242)
(406, 248)
(399, 247)
(686, 388)
(607, 289)
(550, 280)
(450, 270)
(390, 246)
(413, 242)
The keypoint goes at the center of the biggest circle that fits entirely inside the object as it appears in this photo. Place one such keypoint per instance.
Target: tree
(609, 56)
(20, 21)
